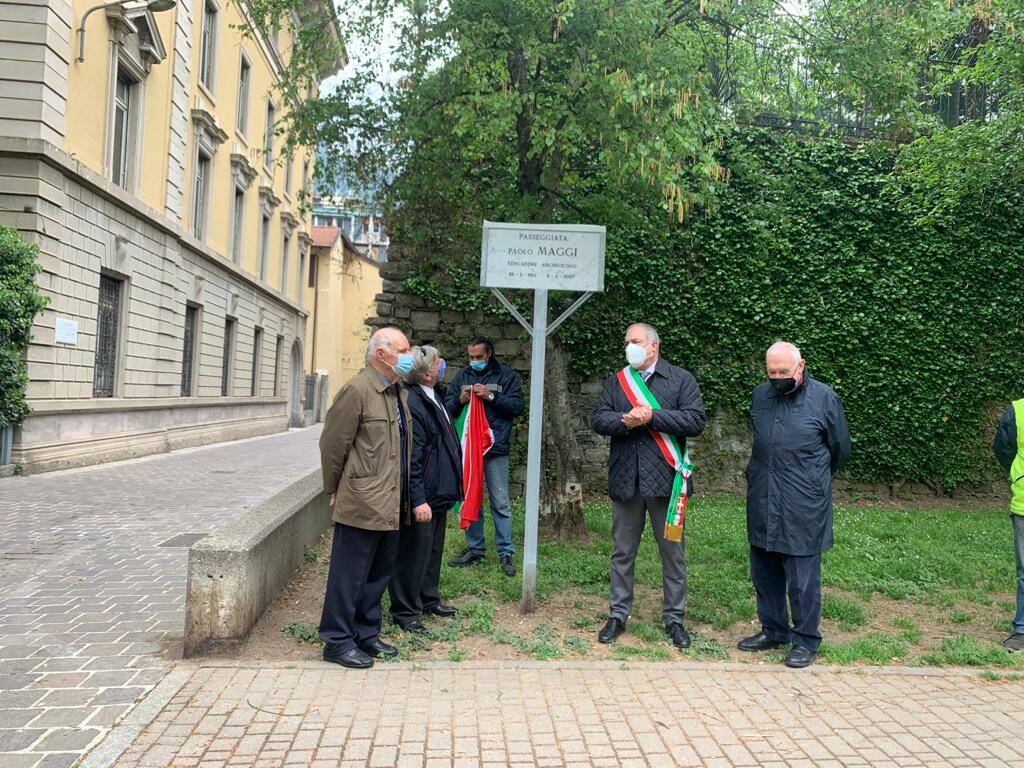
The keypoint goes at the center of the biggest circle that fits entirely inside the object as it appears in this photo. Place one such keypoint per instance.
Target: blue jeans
(1018, 546)
(496, 477)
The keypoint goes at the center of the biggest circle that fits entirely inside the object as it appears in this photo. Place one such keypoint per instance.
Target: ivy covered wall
(915, 319)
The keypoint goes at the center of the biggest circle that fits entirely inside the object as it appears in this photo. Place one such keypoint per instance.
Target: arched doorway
(295, 388)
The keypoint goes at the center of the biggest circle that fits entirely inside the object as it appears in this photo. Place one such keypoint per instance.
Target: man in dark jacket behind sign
(502, 393)
(800, 441)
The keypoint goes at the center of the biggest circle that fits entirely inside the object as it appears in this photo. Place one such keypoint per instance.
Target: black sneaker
(1014, 642)
(468, 557)
(507, 566)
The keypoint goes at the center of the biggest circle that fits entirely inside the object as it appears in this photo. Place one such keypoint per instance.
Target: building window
(286, 246)
(108, 322)
(122, 137)
(288, 175)
(225, 361)
(257, 353)
(300, 275)
(244, 78)
(264, 245)
(305, 177)
(312, 271)
(268, 135)
(189, 351)
(208, 46)
(237, 225)
(200, 193)
(277, 364)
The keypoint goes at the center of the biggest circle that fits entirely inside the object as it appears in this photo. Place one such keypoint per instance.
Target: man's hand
(334, 498)
(422, 513)
(637, 417)
(481, 390)
(464, 395)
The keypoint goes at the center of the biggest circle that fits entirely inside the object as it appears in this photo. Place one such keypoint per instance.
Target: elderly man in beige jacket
(365, 451)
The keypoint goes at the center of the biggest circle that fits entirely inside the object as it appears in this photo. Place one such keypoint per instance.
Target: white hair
(784, 346)
(649, 331)
(423, 359)
(381, 338)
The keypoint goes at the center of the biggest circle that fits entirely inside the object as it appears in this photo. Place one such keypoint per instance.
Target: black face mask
(783, 386)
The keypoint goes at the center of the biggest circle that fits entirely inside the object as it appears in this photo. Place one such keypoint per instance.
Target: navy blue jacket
(635, 463)
(800, 441)
(435, 474)
(508, 400)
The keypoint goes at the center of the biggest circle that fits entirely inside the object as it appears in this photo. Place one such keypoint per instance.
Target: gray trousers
(628, 521)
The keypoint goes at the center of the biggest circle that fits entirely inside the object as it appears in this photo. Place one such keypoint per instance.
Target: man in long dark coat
(800, 441)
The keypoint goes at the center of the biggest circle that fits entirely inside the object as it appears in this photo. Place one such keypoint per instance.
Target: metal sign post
(542, 257)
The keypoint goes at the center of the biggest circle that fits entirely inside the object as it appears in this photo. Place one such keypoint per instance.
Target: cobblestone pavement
(91, 603)
(576, 715)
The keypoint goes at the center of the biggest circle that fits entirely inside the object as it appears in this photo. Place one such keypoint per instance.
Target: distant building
(360, 222)
(141, 156)
(342, 284)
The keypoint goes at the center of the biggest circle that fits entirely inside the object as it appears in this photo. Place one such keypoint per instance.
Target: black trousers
(361, 565)
(414, 584)
(774, 574)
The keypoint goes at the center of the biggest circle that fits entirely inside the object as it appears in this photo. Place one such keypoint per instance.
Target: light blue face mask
(403, 365)
(441, 370)
(477, 365)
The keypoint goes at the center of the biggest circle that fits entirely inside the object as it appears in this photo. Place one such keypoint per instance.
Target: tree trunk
(561, 502)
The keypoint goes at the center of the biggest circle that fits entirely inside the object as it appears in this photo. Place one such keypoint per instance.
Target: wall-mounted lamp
(154, 6)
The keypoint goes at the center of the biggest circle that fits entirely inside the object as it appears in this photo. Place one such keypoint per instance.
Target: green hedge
(917, 323)
(20, 302)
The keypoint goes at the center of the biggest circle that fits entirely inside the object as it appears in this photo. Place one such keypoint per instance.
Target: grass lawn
(919, 586)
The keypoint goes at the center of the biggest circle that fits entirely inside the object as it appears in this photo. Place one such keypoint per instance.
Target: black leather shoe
(442, 610)
(799, 657)
(1014, 642)
(376, 648)
(468, 557)
(416, 627)
(758, 642)
(354, 659)
(680, 637)
(507, 566)
(610, 632)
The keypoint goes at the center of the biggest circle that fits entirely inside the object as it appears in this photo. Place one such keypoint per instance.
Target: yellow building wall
(348, 284)
(89, 101)
(87, 110)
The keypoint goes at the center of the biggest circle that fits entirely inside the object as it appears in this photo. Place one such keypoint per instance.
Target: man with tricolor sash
(649, 409)
(1009, 448)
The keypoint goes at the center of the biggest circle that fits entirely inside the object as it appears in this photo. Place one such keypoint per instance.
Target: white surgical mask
(635, 354)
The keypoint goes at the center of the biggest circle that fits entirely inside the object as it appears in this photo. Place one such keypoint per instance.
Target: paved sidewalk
(575, 715)
(92, 585)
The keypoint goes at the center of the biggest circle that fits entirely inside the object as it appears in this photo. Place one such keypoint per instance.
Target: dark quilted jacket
(635, 464)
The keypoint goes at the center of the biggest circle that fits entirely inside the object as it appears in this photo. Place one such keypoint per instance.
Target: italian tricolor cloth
(477, 439)
(677, 457)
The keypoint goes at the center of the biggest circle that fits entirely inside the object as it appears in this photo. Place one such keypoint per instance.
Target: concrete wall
(238, 570)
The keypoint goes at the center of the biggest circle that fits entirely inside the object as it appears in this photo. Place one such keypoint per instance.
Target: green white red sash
(678, 458)
(477, 438)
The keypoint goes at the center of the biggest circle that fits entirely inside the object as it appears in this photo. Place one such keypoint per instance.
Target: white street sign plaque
(65, 331)
(553, 257)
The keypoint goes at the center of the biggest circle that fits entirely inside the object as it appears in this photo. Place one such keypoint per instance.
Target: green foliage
(304, 633)
(965, 651)
(848, 612)
(310, 554)
(20, 302)
(874, 648)
(914, 322)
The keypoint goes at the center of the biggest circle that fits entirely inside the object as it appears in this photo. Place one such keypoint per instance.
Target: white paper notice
(65, 331)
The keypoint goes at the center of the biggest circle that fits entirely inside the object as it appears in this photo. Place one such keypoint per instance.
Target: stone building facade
(144, 162)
